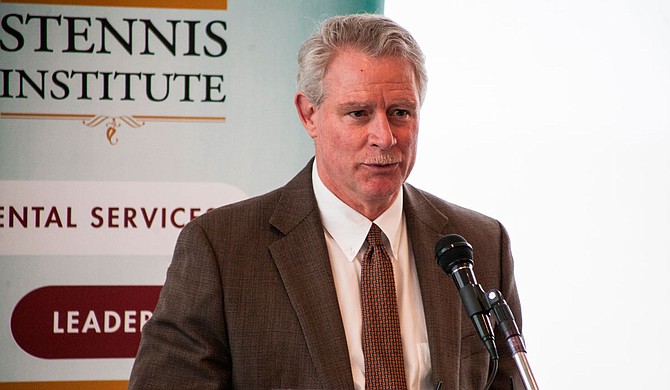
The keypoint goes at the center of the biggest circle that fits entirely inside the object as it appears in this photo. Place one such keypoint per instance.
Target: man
(274, 292)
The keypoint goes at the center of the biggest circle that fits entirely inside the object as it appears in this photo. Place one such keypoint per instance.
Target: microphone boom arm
(510, 332)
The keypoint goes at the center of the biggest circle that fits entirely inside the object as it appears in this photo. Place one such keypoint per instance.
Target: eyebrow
(398, 103)
(411, 103)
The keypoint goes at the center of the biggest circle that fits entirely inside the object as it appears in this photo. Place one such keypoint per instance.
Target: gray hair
(374, 35)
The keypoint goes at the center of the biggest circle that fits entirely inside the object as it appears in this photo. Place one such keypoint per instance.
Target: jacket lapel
(426, 225)
(301, 257)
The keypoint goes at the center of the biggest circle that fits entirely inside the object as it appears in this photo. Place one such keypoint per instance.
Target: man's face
(365, 130)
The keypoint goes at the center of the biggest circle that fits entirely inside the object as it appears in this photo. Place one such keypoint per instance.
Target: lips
(383, 169)
(382, 166)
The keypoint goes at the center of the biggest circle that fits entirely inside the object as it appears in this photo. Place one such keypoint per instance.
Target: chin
(385, 191)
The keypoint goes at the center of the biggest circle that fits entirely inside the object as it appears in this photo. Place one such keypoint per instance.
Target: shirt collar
(348, 227)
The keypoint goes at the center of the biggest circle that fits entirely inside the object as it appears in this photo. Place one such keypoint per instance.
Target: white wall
(554, 117)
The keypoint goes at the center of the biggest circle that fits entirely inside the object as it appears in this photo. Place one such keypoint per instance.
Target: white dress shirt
(345, 230)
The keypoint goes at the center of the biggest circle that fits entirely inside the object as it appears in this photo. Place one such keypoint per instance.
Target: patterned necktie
(382, 345)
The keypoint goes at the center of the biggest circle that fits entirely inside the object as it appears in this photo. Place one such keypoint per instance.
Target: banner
(121, 121)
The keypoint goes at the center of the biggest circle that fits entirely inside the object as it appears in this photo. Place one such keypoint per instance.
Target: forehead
(354, 72)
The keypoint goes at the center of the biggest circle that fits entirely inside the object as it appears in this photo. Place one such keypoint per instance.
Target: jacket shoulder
(455, 214)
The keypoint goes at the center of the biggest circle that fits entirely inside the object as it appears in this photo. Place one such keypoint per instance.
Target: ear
(306, 112)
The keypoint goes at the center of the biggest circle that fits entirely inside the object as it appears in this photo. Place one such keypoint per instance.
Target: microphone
(454, 256)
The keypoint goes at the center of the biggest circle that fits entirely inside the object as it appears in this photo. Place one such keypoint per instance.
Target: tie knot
(374, 236)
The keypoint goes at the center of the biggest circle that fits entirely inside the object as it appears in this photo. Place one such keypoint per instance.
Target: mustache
(384, 158)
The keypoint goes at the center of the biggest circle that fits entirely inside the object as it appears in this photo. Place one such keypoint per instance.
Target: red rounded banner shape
(83, 322)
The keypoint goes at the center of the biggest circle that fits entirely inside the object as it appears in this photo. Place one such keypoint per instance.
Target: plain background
(554, 117)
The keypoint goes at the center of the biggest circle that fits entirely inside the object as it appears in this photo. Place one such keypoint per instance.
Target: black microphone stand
(510, 331)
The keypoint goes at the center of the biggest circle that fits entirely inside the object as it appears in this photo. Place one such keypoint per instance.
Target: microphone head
(452, 250)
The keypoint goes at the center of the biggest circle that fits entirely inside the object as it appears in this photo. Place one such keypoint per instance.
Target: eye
(400, 112)
(357, 113)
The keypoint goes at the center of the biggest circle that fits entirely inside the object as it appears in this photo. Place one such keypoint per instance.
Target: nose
(380, 133)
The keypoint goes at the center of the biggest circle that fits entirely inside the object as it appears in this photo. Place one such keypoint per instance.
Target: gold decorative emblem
(112, 123)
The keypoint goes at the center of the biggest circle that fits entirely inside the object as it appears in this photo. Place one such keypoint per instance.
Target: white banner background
(151, 159)
(554, 117)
